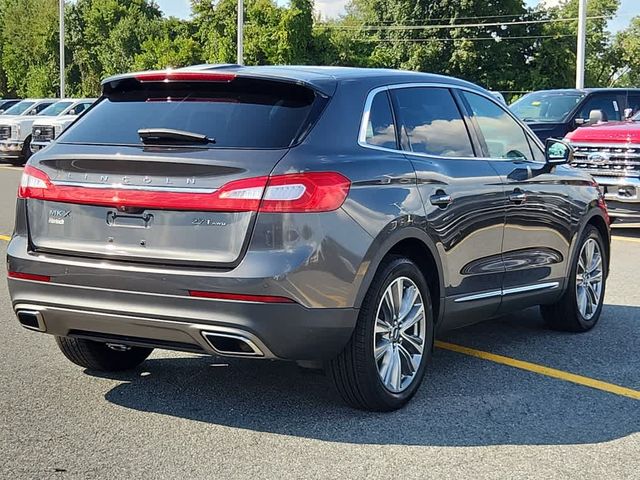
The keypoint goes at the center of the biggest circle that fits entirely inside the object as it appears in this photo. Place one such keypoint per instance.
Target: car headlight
(15, 131)
(57, 130)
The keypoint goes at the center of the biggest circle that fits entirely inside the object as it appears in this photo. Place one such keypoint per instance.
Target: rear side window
(381, 130)
(431, 122)
(243, 113)
(607, 104)
(503, 136)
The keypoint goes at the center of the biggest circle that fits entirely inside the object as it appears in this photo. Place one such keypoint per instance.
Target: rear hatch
(166, 169)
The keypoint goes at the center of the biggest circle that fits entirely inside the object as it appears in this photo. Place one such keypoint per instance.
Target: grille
(42, 133)
(5, 132)
(607, 160)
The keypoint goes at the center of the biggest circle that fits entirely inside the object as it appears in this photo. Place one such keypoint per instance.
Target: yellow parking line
(6, 238)
(626, 239)
(542, 370)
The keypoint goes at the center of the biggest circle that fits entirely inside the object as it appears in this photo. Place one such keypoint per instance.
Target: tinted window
(81, 107)
(381, 130)
(38, 109)
(634, 103)
(503, 136)
(244, 113)
(431, 122)
(608, 104)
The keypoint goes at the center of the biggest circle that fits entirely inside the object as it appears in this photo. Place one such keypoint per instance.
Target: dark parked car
(312, 214)
(554, 113)
(6, 103)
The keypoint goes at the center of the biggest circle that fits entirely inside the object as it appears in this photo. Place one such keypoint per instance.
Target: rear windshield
(19, 108)
(244, 113)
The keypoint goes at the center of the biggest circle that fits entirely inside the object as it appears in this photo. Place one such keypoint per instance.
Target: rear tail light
(291, 193)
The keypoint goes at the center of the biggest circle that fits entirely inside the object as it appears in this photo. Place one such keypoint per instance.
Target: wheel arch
(416, 245)
(598, 219)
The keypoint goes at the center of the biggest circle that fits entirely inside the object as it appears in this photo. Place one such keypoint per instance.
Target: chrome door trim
(362, 135)
(509, 291)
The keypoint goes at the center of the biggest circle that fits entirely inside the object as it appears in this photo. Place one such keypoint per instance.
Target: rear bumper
(622, 196)
(128, 304)
(284, 331)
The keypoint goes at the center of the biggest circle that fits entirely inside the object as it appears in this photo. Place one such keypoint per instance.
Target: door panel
(540, 214)
(463, 198)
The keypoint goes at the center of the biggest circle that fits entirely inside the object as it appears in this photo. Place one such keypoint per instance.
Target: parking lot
(503, 399)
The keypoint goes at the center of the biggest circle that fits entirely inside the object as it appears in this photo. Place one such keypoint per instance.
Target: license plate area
(115, 219)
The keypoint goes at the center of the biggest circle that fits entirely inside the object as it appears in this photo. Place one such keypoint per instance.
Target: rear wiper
(163, 135)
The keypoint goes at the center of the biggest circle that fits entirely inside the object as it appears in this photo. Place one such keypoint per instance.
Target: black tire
(565, 315)
(354, 372)
(98, 356)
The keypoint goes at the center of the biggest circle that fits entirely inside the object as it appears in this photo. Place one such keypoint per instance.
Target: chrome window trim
(508, 291)
(362, 135)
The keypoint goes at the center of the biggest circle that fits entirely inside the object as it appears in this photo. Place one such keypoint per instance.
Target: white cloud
(331, 8)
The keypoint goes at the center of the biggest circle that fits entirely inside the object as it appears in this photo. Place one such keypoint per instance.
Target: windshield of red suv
(546, 106)
(243, 113)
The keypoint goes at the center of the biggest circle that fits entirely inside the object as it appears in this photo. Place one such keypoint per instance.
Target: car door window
(607, 104)
(634, 103)
(431, 122)
(503, 136)
(381, 129)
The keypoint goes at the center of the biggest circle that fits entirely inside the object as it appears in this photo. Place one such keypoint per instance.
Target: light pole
(582, 37)
(240, 57)
(62, 49)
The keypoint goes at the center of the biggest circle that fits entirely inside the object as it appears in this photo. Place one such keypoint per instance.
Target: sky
(332, 8)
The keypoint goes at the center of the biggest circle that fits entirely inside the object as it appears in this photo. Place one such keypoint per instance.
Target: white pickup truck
(15, 128)
(47, 129)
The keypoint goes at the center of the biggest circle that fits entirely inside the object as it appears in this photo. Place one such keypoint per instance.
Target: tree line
(500, 44)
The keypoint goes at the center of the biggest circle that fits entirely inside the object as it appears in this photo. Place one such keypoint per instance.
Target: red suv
(610, 151)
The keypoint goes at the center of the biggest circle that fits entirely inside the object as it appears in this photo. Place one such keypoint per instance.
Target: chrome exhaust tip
(31, 320)
(232, 344)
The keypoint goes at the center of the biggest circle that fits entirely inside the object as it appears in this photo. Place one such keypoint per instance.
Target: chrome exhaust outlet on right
(232, 344)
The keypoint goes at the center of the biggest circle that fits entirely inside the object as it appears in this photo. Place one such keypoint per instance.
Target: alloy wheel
(400, 334)
(589, 279)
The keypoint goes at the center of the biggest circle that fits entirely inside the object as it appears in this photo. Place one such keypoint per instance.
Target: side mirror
(628, 113)
(558, 152)
(1, 111)
(72, 112)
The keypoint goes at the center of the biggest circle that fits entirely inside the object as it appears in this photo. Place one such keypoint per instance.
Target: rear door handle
(518, 196)
(441, 199)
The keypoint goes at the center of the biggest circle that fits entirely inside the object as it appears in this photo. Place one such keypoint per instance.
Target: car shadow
(464, 401)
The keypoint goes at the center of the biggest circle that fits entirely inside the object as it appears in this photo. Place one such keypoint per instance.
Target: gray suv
(334, 216)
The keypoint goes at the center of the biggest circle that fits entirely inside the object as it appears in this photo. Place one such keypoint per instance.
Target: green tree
(30, 47)
(554, 60)
(105, 36)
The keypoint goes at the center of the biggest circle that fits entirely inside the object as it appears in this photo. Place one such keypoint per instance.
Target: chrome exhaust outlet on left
(31, 320)
(232, 344)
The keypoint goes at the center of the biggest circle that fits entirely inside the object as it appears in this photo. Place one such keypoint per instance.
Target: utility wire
(451, 26)
(496, 39)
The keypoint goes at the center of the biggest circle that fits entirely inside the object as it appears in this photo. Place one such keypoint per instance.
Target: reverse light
(290, 193)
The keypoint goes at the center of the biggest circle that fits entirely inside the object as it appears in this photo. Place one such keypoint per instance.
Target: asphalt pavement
(190, 416)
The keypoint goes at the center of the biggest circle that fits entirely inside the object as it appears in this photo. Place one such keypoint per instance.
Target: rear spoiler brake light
(175, 76)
